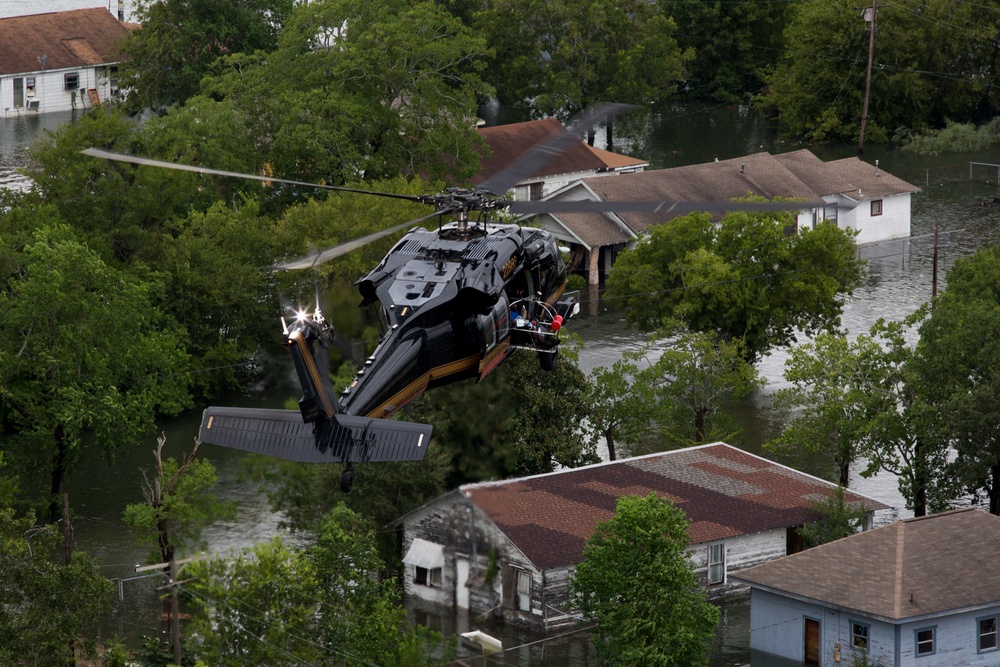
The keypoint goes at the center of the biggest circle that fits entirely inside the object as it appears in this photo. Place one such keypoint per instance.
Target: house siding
(50, 89)
(894, 222)
(776, 624)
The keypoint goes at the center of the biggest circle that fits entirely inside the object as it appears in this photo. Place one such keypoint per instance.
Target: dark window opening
(876, 207)
(72, 81)
(859, 636)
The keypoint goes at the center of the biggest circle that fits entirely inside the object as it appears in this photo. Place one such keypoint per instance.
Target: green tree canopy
(47, 607)
(622, 404)
(562, 57)
(741, 279)
(960, 349)
(179, 42)
(933, 61)
(82, 348)
(637, 584)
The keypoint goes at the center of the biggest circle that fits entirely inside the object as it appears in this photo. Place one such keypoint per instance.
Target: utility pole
(869, 15)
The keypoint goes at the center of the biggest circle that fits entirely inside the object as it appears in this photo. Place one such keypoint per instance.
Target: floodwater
(898, 281)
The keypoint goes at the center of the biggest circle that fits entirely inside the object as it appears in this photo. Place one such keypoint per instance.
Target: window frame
(429, 577)
(713, 564)
(523, 597)
(876, 207)
(917, 642)
(996, 635)
(867, 635)
(71, 76)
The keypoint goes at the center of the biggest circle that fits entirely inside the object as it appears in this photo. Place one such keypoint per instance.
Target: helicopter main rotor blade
(549, 148)
(317, 258)
(123, 157)
(590, 206)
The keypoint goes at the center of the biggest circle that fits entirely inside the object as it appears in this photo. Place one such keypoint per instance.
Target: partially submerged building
(509, 548)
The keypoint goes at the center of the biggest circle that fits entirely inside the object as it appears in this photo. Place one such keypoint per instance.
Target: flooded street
(898, 281)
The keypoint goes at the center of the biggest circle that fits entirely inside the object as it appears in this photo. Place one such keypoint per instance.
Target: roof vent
(743, 168)
(876, 169)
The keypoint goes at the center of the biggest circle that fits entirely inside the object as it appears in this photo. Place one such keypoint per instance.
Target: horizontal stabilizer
(346, 439)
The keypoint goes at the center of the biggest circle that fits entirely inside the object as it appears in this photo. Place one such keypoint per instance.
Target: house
(923, 592)
(509, 548)
(58, 61)
(850, 192)
(509, 143)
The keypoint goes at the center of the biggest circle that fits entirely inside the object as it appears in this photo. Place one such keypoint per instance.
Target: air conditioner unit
(31, 104)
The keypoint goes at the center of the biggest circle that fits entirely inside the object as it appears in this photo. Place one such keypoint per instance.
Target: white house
(850, 192)
(508, 548)
(58, 61)
(924, 592)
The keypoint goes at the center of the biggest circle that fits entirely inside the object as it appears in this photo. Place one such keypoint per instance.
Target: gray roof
(594, 229)
(868, 182)
(759, 175)
(917, 567)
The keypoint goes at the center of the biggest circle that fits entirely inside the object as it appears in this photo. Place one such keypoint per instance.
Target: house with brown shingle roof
(924, 592)
(509, 548)
(849, 192)
(509, 143)
(58, 61)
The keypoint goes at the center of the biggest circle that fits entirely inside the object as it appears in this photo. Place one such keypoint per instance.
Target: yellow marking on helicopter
(507, 268)
(490, 361)
(407, 392)
(307, 358)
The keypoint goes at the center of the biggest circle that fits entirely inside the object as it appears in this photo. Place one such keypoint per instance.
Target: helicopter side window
(519, 288)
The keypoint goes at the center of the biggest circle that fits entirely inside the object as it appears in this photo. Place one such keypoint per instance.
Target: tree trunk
(700, 417)
(610, 134)
(919, 479)
(58, 472)
(845, 473)
(591, 135)
(610, 435)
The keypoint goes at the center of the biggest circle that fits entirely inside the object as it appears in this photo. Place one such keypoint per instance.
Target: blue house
(924, 592)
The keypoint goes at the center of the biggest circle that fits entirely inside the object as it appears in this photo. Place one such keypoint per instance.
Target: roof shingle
(77, 38)
(723, 491)
(907, 569)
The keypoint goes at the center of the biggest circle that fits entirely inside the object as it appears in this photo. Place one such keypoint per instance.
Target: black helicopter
(456, 301)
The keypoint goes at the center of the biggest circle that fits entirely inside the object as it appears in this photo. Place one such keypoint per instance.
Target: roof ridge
(897, 598)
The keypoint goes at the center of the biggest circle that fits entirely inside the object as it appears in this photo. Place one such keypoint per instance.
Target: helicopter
(454, 303)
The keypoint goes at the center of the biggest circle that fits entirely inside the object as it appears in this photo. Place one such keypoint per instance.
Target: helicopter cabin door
(519, 287)
(494, 327)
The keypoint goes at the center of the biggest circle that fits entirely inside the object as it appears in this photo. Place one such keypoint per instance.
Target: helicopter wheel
(347, 479)
(547, 360)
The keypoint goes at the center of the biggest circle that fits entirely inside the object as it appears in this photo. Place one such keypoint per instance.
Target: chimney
(876, 168)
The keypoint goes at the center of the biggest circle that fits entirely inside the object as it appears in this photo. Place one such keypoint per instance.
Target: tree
(960, 351)
(393, 93)
(837, 519)
(741, 279)
(549, 414)
(562, 57)
(695, 377)
(82, 348)
(179, 503)
(47, 607)
(914, 82)
(733, 43)
(179, 42)
(622, 404)
(637, 584)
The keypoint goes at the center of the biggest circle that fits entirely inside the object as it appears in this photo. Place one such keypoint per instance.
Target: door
(18, 92)
(812, 642)
(461, 583)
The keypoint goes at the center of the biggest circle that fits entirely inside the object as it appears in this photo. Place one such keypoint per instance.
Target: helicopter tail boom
(343, 439)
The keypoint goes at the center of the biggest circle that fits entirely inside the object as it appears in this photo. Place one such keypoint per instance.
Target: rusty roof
(77, 38)
(911, 568)
(723, 490)
(759, 175)
(508, 143)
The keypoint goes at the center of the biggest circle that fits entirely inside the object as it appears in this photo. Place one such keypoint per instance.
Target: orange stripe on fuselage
(410, 391)
(310, 363)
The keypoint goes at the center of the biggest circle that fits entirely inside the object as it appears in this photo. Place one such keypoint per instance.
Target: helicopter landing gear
(347, 478)
(547, 359)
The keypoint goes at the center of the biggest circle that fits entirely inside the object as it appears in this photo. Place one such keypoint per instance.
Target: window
(925, 641)
(716, 563)
(72, 80)
(523, 590)
(427, 577)
(988, 634)
(876, 207)
(859, 636)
